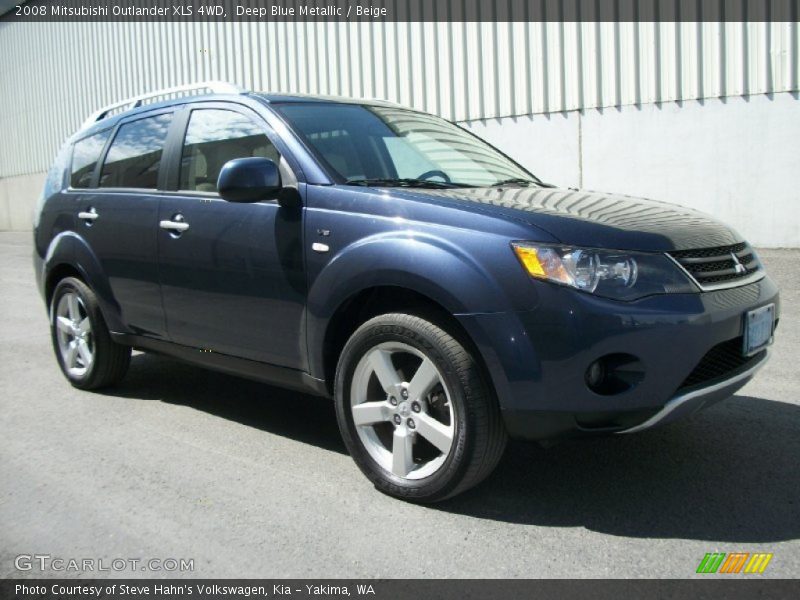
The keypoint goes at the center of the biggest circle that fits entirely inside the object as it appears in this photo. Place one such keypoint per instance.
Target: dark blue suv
(444, 296)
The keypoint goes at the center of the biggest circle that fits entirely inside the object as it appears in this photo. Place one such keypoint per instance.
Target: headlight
(610, 273)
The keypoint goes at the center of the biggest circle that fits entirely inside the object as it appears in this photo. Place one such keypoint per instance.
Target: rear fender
(69, 249)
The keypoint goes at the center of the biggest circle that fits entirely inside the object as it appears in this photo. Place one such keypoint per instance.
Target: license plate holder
(758, 327)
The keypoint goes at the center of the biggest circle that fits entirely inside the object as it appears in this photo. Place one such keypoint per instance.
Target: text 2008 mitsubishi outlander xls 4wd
(444, 296)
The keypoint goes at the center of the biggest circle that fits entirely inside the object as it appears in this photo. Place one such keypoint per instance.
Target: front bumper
(538, 359)
(691, 401)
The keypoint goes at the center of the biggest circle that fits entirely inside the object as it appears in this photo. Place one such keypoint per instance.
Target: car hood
(598, 220)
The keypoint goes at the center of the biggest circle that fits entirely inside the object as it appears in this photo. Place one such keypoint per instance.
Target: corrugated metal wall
(52, 75)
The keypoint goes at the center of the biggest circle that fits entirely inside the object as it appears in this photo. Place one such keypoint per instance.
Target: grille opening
(720, 361)
(721, 264)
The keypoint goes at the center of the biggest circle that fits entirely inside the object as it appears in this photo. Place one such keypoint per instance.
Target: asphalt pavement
(248, 480)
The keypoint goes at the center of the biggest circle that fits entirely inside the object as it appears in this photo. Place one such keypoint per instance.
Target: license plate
(758, 329)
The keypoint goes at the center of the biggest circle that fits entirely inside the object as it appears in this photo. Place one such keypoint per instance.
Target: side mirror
(249, 180)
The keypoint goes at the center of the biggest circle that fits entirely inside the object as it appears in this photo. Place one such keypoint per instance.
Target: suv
(440, 293)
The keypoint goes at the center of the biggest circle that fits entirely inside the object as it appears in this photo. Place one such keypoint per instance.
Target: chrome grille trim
(705, 266)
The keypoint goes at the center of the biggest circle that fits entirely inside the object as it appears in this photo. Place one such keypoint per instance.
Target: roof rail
(376, 99)
(215, 87)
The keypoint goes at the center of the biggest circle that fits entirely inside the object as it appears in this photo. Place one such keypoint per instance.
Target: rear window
(134, 157)
(85, 155)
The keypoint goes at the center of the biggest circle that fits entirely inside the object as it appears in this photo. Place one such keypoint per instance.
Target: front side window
(134, 157)
(363, 142)
(85, 155)
(213, 137)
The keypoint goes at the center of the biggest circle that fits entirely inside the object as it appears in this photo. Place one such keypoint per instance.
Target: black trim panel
(241, 367)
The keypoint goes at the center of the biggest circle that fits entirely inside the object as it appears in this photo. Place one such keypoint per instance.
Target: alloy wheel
(74, 334)
(402, 410)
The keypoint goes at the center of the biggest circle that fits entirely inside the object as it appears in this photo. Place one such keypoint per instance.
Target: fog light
(614, 374)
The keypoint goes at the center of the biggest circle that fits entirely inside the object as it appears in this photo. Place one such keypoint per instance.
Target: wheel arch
(56, 274)
(69, 255)
(382, 299)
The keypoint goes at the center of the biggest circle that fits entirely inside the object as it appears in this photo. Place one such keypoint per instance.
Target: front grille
(721, 360)
(714, 266)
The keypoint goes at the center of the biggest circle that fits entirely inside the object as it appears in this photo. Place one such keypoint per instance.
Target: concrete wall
(736, 158)
(18, 196)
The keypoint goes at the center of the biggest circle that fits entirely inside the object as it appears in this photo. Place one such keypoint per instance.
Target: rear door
(116, 202)
(232, 276)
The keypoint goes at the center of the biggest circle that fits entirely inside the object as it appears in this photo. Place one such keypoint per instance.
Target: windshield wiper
(522, 182)
(513, 181)
(405, 182)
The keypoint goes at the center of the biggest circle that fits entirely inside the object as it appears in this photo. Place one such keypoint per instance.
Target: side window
(213, 137)
(85, 155)
(135, 154)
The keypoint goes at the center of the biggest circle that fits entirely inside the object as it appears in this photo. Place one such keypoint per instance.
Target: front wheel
(87, 355)
(414, 409)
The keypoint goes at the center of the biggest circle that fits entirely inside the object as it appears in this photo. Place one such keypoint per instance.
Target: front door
(232, 275)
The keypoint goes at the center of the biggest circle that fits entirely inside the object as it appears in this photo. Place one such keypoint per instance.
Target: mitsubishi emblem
(737, 264)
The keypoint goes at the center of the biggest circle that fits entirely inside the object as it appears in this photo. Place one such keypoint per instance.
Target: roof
(276, 97)
(111, 120)
(96, 122)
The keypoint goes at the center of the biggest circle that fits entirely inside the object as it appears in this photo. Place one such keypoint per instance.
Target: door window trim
(161, 169)
(173, 148)
(92, 180)
(114, 129)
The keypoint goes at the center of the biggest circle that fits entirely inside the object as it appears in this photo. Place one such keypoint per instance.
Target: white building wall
(552, 76)
(734, 158)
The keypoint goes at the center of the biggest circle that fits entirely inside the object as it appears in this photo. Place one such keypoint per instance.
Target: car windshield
(383, 146)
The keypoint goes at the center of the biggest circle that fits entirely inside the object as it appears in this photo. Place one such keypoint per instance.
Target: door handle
(88, 216)
(176, 226)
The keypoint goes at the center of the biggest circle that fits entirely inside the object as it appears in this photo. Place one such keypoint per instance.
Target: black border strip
(741, 587)
(406, 10)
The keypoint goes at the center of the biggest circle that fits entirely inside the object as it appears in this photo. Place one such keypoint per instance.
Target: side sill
(241, 367)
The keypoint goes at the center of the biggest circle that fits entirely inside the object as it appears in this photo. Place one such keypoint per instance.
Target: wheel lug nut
(404, 394)
(397, 419)
(411, 424)
(416, 407)
(392, 400)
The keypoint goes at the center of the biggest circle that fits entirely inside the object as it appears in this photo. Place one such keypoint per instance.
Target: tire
(449, 442)
(87, 355)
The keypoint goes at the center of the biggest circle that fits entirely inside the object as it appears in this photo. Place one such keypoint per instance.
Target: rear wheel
(415, 411)
(87, 355)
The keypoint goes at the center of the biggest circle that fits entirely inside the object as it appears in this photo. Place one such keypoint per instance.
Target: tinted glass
(135, 154)
(371, 142)
(85, 155)
(213, 138)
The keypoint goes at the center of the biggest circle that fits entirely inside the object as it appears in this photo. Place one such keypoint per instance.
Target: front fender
(421, 263)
